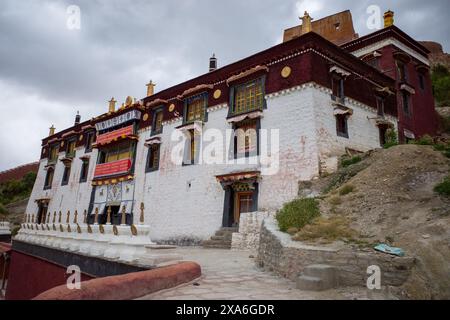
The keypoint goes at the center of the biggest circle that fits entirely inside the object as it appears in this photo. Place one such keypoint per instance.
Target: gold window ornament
(145, 117)
(217, 94)
(286, 72)
(172, 107)
(81, 137)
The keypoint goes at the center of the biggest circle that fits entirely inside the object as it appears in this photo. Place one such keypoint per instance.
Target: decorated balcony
(116, 135)
(114, 168)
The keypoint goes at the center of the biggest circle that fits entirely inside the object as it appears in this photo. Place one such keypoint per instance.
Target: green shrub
(349, 162)
(425, 140)
(3, 209)
(297, 213)
(348, 188)
(443, 188)
(391, 139)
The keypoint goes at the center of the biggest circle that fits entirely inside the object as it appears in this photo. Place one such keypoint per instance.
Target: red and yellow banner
(112, 168)
(113, 135)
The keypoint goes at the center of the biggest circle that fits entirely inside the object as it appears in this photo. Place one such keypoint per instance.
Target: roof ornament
(150, 88)
(388, 18)
(306, 23)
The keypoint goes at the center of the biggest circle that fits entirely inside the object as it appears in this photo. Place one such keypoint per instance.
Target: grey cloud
(122, 44)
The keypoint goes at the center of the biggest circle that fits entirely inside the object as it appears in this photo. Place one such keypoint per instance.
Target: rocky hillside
(388, 197)
(437, 55)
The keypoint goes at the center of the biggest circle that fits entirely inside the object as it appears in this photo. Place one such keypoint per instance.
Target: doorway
(243, 202)
(42, 213)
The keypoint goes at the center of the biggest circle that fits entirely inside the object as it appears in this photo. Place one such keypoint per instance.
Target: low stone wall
(278, 253)
(249, 231)
(128, 286)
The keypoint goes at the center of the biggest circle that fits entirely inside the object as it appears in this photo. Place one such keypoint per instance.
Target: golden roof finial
(388, 18)
(112, 105)
(150, 88)
(306, 23)
(52, 130)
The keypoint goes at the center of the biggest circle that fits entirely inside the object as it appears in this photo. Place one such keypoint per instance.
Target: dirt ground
(393, 202)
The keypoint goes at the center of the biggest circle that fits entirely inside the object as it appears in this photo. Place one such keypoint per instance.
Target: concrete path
(232, 275)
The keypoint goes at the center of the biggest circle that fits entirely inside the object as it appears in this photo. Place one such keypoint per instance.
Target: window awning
(109, 137)
(247, 73)
(196, 125)
(408, 88)
(339, 71)
(409, 134)
(343, 111)
(152, 141)
(238, 176)
(251, 115)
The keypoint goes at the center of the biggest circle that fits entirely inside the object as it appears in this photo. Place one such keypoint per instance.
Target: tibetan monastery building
(191, 158)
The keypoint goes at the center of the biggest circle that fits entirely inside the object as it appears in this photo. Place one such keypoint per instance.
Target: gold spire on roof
(306, 23)
(388, 18)
(112, 105)
(150, 88)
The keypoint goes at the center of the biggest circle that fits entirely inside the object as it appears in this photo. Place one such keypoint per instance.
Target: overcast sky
(48, 72)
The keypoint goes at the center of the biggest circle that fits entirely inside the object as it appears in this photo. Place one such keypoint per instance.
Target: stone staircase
(222, 238)
(318, 277)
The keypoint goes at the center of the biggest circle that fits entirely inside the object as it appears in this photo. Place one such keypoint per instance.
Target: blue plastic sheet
(382, 247)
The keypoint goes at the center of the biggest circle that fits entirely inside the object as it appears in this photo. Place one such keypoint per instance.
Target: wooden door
(243, 203)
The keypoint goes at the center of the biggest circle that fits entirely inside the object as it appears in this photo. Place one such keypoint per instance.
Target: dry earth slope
(393, 202)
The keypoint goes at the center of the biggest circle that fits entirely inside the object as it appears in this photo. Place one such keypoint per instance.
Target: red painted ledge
(128, 286)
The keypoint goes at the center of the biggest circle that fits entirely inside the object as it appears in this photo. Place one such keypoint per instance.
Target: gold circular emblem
(62, 144)
(286, 72)
(129, 101)
(145, 117)
(217, 94)
(81, 137)
(171, 107)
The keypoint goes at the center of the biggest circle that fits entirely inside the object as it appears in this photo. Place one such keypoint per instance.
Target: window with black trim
(337, 85)
(158, 116)
(66, 175)
(402, 73)
(120, 151)
(246, 136)
(248, 97)
(70, 150)
(406, 103)
(153, 157)
(341, 125)
(191, 151)
(84, 170)
(380, 106)
(49, 178)
(421, 81)
(90, 139)
(53, 154)
(195, 108)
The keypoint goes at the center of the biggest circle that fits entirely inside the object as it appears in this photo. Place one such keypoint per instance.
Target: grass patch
(346, 189)
(349, 162)
(443, 188)
(297, 213)
(327, 230)
(335, 200)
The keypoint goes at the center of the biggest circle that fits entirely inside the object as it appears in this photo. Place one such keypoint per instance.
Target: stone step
(213, 242)
(221, 238)
(229, 229)
(308, 283)
(329, 274)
